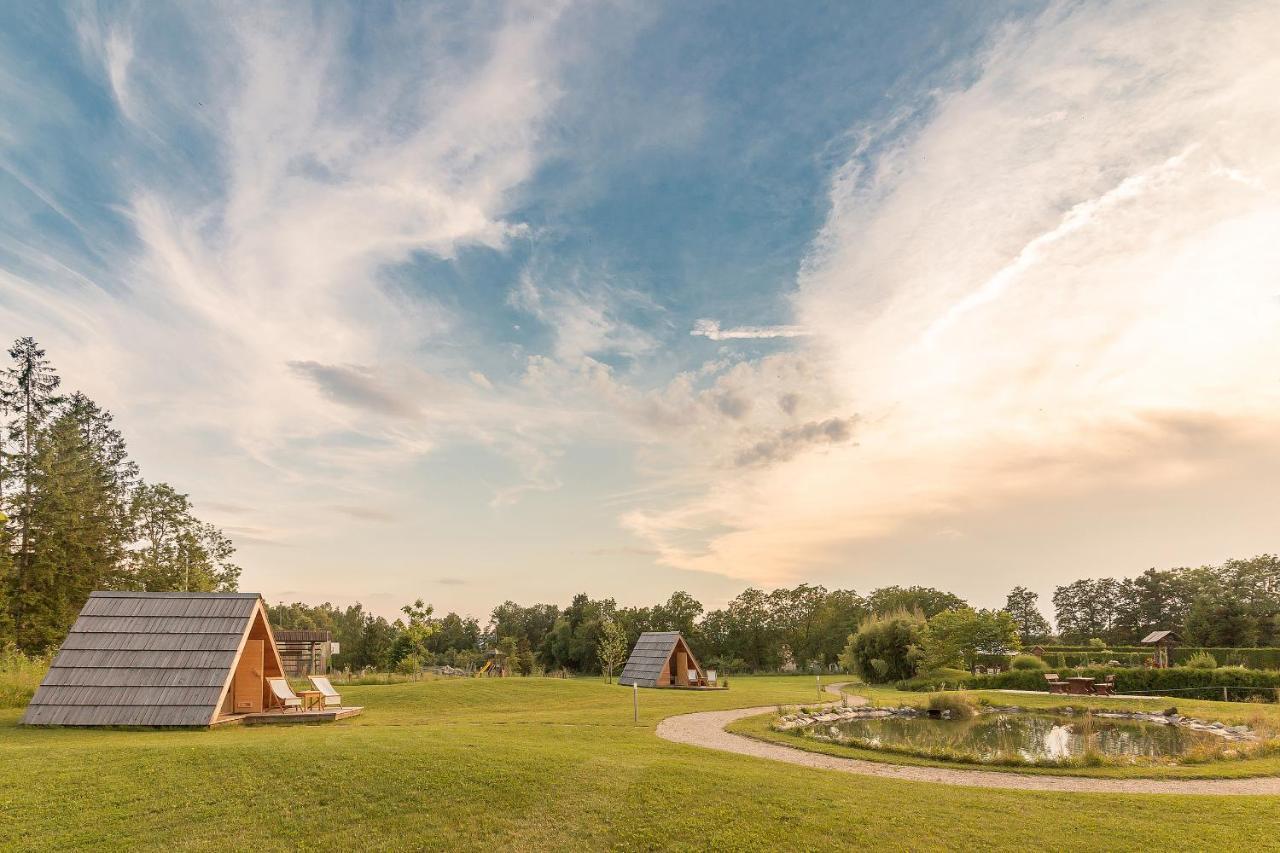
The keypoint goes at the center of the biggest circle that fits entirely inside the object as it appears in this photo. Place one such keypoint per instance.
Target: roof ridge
(133, 594)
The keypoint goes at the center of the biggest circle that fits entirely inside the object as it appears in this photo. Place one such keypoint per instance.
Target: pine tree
(116, 476)
(70, 509)
(30, 395)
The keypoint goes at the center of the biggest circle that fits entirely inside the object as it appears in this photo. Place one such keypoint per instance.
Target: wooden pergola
(1162, 641)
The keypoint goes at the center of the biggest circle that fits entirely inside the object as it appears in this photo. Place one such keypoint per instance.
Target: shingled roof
(650, 654)
(145, 659)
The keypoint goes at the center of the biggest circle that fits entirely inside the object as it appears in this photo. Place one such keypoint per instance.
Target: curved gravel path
(706, 729)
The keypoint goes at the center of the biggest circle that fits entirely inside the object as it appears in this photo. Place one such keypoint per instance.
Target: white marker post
(817, 679)
(635, 702)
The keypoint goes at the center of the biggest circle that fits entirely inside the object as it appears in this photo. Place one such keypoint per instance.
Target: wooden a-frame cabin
(662, 659)
(164, 659)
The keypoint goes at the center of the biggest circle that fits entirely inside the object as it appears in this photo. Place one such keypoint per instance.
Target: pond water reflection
(1031, 737)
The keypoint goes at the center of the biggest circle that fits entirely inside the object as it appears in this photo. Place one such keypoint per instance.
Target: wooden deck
(276, 717)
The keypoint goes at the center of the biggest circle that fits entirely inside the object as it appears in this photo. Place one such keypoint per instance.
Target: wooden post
(635, 702)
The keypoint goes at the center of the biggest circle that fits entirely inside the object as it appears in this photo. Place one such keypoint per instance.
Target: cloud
(365, 513)
(452, 581)
(1019, 298)
(355, 386)
(711, 329)
(625, 551)
(585, 317)
(272, 181)
(786, 444)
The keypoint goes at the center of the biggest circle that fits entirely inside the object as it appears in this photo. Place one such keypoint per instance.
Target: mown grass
(1262, 717)
(535, 764)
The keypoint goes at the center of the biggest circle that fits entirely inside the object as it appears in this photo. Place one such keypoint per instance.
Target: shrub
(960, 708)
(1201, 660)
(20, 676)
(1181, 681)
(937, 679)
(1028, 662)
(884, 647)
(408, 665)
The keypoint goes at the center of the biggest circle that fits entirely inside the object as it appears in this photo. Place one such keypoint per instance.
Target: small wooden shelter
(1163, 642)
(160, 659)
(305, 652)
(662, 659)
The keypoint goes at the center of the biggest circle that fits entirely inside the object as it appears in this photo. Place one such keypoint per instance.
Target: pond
(1033, 738)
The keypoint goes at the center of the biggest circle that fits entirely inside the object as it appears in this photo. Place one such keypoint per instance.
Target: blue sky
(516, 300)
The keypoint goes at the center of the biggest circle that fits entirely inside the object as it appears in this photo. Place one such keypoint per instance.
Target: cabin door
(248, 684)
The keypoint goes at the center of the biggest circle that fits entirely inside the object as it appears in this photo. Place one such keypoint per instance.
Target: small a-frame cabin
(662, 659)
(161, 659)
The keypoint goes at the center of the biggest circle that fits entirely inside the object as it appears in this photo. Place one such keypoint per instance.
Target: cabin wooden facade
(662, 659)
(160, 659)
(305, 652)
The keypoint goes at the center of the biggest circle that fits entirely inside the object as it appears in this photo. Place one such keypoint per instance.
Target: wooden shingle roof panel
(83, 676)
(117, 715)
(97, 695)
(148, 642)
(144, 659)
(158, 625)
(219, 606)
(132, 659)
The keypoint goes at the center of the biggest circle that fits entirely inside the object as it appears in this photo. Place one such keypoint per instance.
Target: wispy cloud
(1017, 298)
(711, 329)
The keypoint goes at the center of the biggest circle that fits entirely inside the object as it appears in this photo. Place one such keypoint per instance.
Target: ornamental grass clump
(1027, 662)
(953, 705)
(1201, 660)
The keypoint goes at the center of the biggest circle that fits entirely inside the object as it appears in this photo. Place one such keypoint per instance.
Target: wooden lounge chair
(282, 695)
(331, 697)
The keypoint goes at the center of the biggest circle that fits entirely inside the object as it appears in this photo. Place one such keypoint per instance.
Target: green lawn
(535, 764)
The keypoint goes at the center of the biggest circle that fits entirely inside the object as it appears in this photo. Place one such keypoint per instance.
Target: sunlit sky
(471, 302)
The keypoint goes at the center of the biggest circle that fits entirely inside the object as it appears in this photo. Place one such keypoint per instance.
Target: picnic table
(1079, 685)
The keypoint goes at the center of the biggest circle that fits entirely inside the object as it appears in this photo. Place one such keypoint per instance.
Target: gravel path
(706, 729)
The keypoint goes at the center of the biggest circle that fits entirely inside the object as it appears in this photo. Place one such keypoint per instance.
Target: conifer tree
(30, 391)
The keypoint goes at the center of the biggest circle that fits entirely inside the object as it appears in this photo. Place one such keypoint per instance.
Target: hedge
(1241, 684)
(1254, 658)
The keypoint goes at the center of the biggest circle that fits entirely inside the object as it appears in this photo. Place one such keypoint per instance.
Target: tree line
(1234, 604)
(76, 514)
(757, 630)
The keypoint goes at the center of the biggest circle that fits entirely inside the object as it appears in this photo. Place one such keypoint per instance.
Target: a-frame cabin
(662, 659)
(160, 659)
